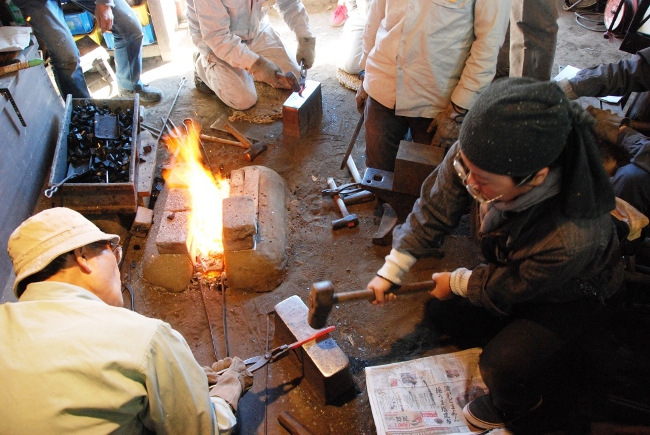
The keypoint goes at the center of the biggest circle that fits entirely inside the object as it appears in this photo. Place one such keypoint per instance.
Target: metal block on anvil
(326, 369)
(414, 163)
(299, 113)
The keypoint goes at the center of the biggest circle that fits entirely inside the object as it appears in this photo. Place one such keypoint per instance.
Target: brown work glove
(233, 383)
(608, 124)
(306, 50)
(447, 126)
(263, 70)
(362, 95)
(213, 371)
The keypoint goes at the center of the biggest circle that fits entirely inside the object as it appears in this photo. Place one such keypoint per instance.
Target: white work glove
(362, 95)
(306, 50)
(447, 126)
(233, 383)
(263, 70)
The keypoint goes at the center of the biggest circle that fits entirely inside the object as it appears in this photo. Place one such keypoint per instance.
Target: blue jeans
(384, 132)
(49, 25)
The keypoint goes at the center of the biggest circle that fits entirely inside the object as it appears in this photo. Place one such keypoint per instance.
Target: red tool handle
(313, 337)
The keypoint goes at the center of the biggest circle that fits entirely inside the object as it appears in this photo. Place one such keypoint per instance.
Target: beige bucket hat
(48, 234)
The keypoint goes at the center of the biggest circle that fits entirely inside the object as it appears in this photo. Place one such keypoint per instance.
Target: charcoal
(108, 157)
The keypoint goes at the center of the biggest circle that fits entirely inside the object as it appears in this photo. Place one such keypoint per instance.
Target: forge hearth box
(96, 198)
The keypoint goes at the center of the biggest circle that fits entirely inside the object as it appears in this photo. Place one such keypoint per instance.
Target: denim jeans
(384, 132)
(49, 25)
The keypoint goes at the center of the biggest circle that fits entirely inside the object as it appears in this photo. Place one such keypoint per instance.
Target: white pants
(235, 86)
(351, 42)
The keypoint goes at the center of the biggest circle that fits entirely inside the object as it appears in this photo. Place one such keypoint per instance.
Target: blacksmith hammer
(322, 298)
(252, 149)
(348, 220)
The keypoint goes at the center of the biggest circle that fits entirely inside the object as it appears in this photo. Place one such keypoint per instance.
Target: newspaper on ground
(425, 396)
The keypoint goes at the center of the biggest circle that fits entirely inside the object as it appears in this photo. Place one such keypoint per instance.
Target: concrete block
(142, 222)
(413, 165)
(173, 235)
(178, 200)
(146, 166)
(252, 185)
(237, 182)
(172, 272)
(263, 268)
(239, 223)
(326, 368)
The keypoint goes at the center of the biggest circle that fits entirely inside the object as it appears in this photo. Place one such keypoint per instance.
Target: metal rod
(224, 312)
(180, 86)
(207, 313)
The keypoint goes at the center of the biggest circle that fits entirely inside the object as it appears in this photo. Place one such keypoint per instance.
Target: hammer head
(255, 150)
(349, 221)
(321, 299)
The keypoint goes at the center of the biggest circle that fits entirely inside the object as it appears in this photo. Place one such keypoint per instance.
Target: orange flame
(206, 191)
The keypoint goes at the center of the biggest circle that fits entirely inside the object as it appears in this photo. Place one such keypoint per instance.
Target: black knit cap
(516, 127)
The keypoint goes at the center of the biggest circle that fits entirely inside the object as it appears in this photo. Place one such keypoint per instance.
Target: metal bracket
(7, 94)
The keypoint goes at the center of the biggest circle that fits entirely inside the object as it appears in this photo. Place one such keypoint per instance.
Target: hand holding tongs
(279, 352)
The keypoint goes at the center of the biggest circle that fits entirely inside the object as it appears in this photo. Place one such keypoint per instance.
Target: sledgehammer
(322, 298)
(253, 149)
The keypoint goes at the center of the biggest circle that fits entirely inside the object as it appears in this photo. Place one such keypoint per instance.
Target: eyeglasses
(463, 173)
(116, 249)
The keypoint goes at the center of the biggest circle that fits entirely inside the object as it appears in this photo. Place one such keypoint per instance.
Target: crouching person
(527, 163)
(73, 360)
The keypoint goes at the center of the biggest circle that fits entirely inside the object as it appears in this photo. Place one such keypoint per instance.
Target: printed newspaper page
(425, 396)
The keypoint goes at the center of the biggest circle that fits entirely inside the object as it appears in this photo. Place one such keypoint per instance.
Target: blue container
(79, 23)
(148, 38)
(149, 35)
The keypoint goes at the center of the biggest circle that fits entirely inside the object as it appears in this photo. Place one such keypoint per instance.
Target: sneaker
(339, 16)
(148, 94)
(482, 413)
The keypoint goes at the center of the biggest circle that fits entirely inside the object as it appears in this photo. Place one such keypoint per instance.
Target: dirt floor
(610, 367)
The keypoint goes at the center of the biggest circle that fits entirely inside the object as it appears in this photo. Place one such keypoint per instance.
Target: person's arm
(294, 14)
(620, 78)
(214, 23)
(376, 13)
(177, 390)
(443, 200)
(637, 145)
(490, 24)
(548, 262)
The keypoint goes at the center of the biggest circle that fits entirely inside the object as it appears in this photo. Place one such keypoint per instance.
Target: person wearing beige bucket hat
(74, 360)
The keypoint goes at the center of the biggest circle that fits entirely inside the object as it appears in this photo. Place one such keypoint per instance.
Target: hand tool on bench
(275, 354)
(322, 298)
(19, 65)
(292, 425)
(73, 171)
(348, 220)
(253, 149)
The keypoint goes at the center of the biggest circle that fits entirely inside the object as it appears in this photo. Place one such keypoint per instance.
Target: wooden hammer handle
(240, 137)
(223, 141)
(290, 424)
(415, 287)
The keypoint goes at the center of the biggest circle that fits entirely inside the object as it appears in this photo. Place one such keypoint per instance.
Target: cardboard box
(95, 198)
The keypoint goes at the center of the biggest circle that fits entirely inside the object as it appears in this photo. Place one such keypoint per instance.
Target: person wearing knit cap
(527, 166)
(74, 360)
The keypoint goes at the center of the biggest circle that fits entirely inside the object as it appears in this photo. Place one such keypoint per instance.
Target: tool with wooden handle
(322, 298)
(20, 65)
(223, 141)
(254, 149)
(292, 425)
